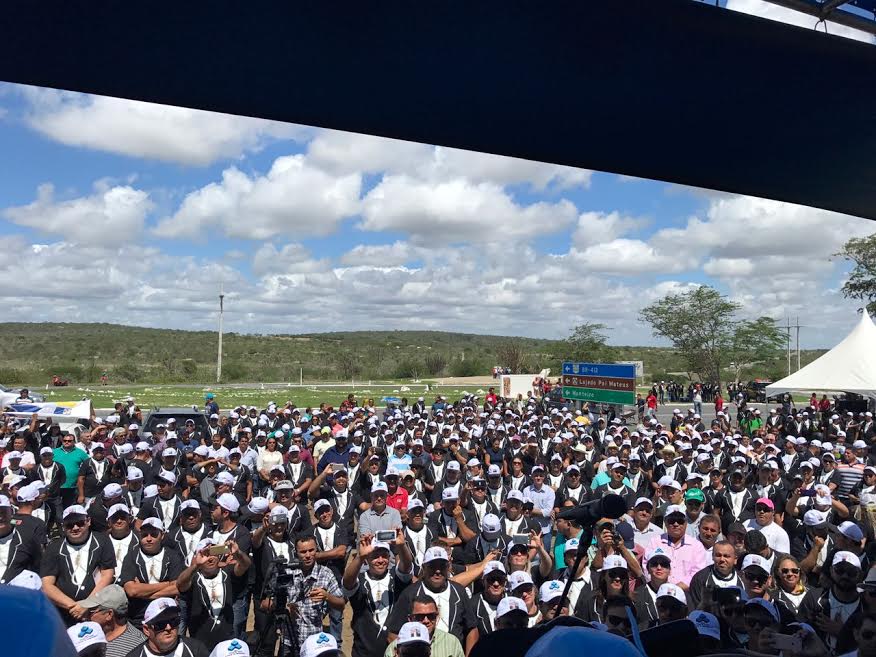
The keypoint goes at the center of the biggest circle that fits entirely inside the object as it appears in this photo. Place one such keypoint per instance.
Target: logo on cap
(323, 638)
(85, 631)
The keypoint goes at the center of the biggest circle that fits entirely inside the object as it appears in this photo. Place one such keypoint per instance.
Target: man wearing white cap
(53, 476)
(379, 516)
(111, 495)
(451, 598)
(165, 505)
(149, 570)
(94, 474)
(161, 627)
(372, 592)
(77, 564)
(828, 610)
(22, 552)
(424, 613)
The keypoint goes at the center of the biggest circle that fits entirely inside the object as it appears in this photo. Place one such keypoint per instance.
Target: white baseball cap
(74, 510)
(134, 474)
(757, 561)
(413, 632)
(449, 493)
(231, 648)
(120, 508)
(435, 553)
(510, 604)
(228, 502)
(112, 490)
(379, 487)
(550, 590)
(153, 522)
(84, 635)
(519, 578)
(613, 561)
(225, 478)
(491, 527)
(318, 644)
(671, 591)
(158, 607)
(846, 557)
(190, 504)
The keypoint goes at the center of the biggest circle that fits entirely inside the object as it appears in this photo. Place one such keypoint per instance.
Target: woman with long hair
(790, 583)
(614, 582)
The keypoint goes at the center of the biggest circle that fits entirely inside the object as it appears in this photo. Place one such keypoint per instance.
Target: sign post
(603, 383)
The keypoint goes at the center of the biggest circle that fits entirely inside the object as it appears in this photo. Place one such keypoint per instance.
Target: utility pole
(798, 343)
(221, 312)
(789, 345)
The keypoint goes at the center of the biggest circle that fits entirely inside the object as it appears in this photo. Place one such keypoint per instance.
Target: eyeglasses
(790, 571)
(419, 618)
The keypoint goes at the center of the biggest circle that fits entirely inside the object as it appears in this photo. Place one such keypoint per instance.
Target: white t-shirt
(443, 601)
(153, 566)
(120, 547)
(777, 538)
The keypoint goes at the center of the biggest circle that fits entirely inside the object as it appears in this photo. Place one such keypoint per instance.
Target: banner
(80, 410)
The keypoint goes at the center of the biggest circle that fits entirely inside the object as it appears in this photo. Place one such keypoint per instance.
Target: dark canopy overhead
(671, 90)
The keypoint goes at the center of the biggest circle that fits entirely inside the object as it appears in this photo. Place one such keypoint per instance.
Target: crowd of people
(424, 528)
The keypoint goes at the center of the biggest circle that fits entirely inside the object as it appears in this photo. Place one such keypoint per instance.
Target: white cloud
(294, 198)
(346, 152)
(110, 216)
(600, 227)
(138, 129)
(458, 211)
(291, 259)
(624, 256)
(783, 15)
(386, 255)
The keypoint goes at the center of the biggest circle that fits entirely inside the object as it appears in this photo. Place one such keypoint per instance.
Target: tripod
(279, 624)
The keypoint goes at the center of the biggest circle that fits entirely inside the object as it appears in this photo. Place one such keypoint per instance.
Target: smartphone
(520, 539)
(788, 642)
(218, 550)
(385, 535)
(809, 492)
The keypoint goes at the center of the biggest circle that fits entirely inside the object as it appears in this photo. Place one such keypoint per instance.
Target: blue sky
(126, 212)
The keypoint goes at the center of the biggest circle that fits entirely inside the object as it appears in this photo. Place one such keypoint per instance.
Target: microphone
(610, 506)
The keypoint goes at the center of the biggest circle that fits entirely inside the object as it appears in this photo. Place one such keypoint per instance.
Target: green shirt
(71, 461)
(443, 645)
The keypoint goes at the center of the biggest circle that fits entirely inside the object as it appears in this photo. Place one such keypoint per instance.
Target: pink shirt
(688, 557)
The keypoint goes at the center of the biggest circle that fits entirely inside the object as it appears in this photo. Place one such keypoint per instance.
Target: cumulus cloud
(290, 259)
(346, 152)
(387, 255)
(458, 211)
(623, 256)
(293, 198)
(148, 130)
(600, 227)
(112, 215)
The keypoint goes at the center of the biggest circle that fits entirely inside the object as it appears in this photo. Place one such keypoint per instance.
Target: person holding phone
(209, 585)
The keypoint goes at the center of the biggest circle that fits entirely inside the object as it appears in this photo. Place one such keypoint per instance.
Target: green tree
(756, 341)
(587, 342)
(699, 324)
(861, 283)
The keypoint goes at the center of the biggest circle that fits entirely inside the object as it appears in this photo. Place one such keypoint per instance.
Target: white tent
(848, 367)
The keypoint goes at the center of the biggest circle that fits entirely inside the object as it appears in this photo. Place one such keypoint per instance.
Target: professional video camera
(280, 575)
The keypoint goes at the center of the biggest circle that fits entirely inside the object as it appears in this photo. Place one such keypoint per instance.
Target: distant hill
(32, 353)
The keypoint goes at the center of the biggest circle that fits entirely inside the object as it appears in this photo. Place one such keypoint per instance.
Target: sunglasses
(72, 524)
(790, 571)
(617, 573)
(763, 509)
(675, 521)
(659, 563)
(419, 618)
(756, 577)
(157, 626)
(490, 581)
(618, 620)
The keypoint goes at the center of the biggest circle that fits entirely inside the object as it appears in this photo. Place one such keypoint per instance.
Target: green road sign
(599, 396)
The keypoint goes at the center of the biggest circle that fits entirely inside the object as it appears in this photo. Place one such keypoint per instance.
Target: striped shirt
(125, 642)
(443, 645)
(847, 477)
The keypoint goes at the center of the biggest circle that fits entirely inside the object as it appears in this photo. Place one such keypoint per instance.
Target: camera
(281, 573)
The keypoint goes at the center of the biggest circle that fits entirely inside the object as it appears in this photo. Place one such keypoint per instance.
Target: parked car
(180, 413)
(37, 397)
(755, 391)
